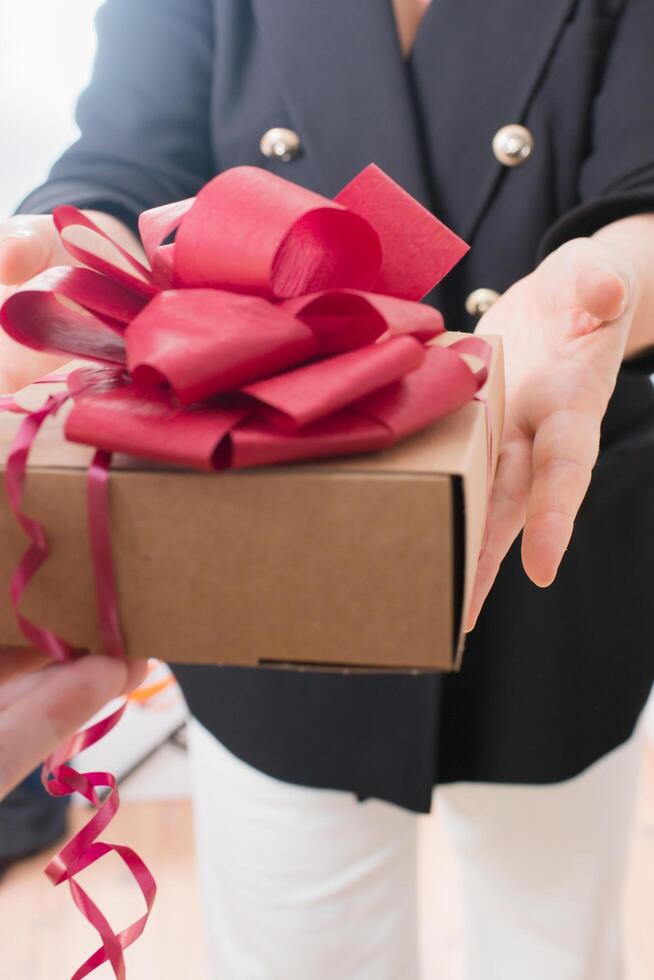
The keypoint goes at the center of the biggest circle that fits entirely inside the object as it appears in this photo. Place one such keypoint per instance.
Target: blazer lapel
(476, 67)
(347, 88)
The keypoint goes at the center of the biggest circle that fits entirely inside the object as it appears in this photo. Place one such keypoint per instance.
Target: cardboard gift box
(363, 562)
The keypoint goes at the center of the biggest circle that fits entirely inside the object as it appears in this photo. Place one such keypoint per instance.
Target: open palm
(565, 329)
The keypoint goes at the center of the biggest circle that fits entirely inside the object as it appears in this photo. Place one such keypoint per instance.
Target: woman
(528, 127)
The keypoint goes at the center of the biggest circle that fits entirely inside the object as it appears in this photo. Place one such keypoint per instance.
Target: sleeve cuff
(88, 196)
(592, 215)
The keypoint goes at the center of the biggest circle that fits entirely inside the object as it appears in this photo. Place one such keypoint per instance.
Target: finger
(11, 691)
(601, 293)
(15, 661)
(587, 275)
(27, 669)
(506, 515)
(35, 724)
(565, 450)
(27, 247)
(136, 673)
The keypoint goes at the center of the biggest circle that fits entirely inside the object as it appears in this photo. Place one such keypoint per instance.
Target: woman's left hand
(565, 328)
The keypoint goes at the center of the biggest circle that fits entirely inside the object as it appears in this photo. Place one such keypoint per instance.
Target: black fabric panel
(371, 735)
(539, 705)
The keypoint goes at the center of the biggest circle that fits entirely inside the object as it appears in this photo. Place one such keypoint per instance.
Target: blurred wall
(46, 53)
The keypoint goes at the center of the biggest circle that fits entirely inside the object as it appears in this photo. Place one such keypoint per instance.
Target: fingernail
(619, 310)
(604, 273)
(626, 287)
(471, 622)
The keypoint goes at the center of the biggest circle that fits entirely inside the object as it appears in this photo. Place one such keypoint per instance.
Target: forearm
(634, 237)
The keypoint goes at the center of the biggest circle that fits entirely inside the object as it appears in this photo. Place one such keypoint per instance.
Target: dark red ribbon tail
(84, 849)
(57, 776)
(100, 536)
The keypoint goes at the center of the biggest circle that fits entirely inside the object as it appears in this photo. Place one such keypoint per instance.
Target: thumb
(602, 292)
(590, 276)
(27, 246)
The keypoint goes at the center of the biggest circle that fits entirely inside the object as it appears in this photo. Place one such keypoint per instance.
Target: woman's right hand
(30, 244)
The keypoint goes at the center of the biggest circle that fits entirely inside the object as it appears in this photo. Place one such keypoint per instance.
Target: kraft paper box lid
(362, 562)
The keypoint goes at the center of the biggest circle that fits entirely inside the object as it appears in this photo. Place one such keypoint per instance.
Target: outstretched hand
(565, 328)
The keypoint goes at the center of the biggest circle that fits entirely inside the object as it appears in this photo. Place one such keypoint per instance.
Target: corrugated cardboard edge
(491, 403)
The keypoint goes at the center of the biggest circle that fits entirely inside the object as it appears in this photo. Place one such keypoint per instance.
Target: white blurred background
(46, 53)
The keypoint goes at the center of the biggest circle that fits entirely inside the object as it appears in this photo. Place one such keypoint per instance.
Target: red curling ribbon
(100, 535)
(60, 779)
(279, 326)
(84, 849)
(38, 551)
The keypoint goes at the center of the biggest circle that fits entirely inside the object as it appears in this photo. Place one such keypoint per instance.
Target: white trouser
(309, 884)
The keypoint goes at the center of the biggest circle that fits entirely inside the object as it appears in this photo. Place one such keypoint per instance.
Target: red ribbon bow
(281, 325)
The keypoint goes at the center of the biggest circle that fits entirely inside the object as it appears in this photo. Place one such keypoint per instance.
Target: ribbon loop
(204, 342)
(251, 231)
(34, 316)
(66, 217)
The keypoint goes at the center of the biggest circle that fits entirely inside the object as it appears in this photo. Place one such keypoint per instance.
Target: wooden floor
(43, 937)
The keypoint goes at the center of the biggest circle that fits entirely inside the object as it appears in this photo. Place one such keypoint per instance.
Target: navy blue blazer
(185, 88)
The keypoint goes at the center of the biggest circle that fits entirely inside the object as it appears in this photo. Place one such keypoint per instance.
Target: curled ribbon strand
(84, 849)
(38, 551)
(100, 538)
(58, 778)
